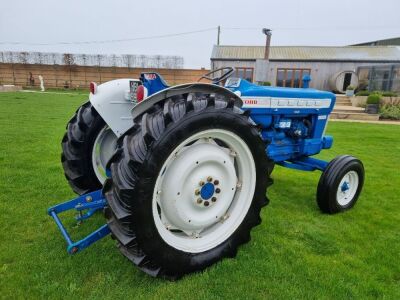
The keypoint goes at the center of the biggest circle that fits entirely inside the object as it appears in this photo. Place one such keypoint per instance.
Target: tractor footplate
(90, 203)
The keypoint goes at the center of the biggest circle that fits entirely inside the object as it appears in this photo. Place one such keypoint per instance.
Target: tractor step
(86, 205)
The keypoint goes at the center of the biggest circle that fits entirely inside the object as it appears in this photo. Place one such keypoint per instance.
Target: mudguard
(196, 87)
(112, 100)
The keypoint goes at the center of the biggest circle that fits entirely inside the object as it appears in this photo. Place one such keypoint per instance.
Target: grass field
(296, 252)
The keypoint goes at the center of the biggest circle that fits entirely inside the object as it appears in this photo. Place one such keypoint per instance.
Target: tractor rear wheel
(87, 146)
(187, 185)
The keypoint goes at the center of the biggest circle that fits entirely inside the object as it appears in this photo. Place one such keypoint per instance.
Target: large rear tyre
(340, 184)
(87, 146)
(187, 185)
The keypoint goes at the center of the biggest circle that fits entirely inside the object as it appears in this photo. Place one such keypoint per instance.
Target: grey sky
(294, 22)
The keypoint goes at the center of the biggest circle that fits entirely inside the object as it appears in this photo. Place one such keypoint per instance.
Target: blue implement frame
(90, 203)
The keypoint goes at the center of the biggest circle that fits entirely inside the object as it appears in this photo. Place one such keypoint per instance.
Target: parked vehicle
(193, 162)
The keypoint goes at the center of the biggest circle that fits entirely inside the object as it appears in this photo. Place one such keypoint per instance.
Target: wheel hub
(215, 164)
(347, 188)
(103, 148)
(207, 191)
(191, 197)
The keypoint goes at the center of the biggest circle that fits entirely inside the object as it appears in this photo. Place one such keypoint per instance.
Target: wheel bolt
(217, 190)
(199, 200)
(197, 192)
(216, 181)
(209, 178)
(201, 183)
(206, 203)
(213, 199)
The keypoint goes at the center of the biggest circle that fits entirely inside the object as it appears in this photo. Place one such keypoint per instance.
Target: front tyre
(87, 146)
(340, 184)
(187, 186)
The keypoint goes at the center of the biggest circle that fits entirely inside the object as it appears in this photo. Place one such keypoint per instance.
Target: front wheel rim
(204, 190)
(103, 148)
(347, 188)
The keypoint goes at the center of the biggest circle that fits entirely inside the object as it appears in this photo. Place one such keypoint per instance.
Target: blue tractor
(184, 170)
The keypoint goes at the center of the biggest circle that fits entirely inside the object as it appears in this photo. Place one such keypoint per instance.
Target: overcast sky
(294, 22)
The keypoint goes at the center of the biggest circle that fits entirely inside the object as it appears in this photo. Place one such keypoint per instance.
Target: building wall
(234, 64)
(81, 76)
(321, 72)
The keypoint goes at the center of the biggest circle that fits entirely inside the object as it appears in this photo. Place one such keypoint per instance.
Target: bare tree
(23, 57)
(70, 60)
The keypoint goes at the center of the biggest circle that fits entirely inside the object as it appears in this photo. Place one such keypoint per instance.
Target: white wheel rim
(103, 148)
(347, 188)
(181, 219)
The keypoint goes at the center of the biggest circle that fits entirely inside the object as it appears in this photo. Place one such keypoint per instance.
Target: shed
(287, 64)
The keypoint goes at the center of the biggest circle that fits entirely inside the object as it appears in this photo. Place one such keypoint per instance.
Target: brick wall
(81, 76)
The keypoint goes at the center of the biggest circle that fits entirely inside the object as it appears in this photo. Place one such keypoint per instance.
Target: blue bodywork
(292, 120)
(292, 123)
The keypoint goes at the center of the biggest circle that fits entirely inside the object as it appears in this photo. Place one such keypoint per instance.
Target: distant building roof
(385, 42)
(309, 53)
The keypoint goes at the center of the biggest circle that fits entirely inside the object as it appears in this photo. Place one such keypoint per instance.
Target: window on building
(245, 73)
(291, 77)
(386, 78)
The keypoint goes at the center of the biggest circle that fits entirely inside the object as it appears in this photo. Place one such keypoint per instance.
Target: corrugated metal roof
(346, 53)
(385, 42)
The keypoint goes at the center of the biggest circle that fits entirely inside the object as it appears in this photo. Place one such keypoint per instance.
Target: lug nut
(206, 203)
(209, 178)
(197, 192)
(199, 201)
(201, 183)
(216, 181)
(217, 190)
(213, 199)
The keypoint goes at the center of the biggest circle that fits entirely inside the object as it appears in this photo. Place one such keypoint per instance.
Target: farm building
(331, 68)
(385, 42)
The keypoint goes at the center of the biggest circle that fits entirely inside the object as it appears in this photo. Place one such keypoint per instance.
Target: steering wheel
(226, 72)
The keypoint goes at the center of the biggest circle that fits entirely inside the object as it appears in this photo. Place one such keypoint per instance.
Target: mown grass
(296, 252)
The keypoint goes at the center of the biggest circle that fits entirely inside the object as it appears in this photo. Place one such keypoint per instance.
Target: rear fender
(196, 87)
(112, 101)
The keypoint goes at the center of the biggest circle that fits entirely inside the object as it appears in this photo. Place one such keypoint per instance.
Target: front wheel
(187, 185)
(340, 184)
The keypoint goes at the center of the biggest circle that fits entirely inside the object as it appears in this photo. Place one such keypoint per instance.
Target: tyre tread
(136, 143)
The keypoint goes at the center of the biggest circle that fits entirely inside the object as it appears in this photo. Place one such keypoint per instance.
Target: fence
(99, 60)
(73, 76)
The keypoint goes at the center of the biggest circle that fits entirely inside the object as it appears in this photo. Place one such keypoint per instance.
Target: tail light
(93, 88)
(140, 92)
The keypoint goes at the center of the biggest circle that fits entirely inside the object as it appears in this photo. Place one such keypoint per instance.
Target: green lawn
(296, 252)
